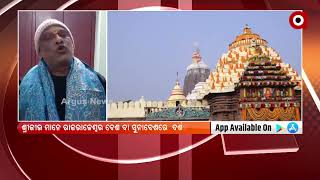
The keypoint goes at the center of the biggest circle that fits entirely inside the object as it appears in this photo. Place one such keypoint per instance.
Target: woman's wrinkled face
(55, 46)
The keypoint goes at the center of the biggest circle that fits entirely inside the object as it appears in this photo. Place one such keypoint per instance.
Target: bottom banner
(123, 127)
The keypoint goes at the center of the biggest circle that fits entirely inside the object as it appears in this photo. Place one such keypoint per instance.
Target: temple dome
(247, 34)
(246, 37)
(177, 97)
(197, 72)
(197, 61)
(177, 93)
(232, 64)
(199, 65)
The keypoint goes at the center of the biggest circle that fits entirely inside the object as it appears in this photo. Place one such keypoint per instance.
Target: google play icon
(279, 128)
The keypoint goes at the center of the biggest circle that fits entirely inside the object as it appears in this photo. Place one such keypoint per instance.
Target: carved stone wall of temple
(266, 92)
(224, 106)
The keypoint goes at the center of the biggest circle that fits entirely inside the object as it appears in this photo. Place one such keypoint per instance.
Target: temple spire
(247, 29)
(177, 81)
(196, 57)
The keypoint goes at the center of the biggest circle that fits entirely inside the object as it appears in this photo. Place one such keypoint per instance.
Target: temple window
(177, 103)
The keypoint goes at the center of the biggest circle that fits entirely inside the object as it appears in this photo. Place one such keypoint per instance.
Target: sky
(146, 49)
